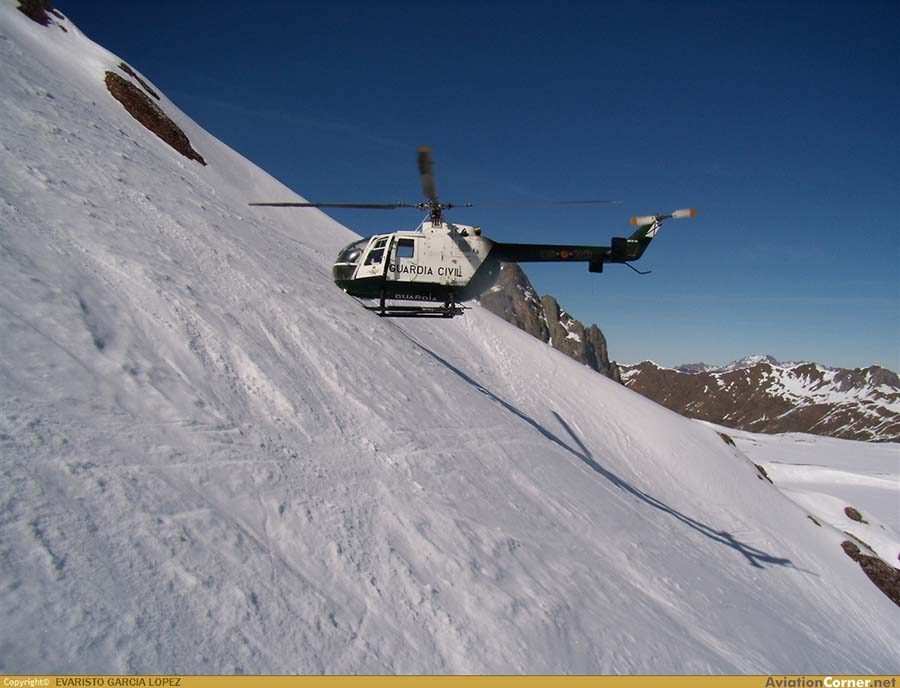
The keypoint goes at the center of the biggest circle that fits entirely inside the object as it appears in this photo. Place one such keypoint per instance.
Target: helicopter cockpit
(348, 259)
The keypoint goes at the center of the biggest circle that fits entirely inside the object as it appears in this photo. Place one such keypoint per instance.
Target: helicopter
(445, 263)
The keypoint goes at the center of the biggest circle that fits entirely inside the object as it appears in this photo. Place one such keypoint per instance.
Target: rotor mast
(426, 171)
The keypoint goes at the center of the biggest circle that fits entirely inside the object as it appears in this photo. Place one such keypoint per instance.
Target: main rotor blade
(426, 206)
(527, 203)
(426, 171)
(370, 206)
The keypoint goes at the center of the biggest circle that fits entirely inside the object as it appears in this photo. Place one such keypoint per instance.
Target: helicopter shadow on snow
(754, 556)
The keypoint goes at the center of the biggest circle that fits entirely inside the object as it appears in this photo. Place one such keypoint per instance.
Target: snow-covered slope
(831, 477)
(215, 461)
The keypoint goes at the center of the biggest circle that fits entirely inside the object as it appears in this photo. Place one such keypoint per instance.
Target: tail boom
(622, 250)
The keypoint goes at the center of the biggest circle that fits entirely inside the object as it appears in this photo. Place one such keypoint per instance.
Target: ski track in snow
(214, 461)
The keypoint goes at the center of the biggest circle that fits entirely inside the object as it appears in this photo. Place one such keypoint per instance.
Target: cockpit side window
(406, 248)
(376, 253)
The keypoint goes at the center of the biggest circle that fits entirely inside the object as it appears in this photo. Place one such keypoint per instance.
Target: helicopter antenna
(640, 272)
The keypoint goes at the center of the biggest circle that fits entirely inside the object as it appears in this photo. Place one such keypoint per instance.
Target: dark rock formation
(515, 300)
(569, 335)
(883, 575)
(39, 11)
(130, 72)
(854, 515)
(36, 10)
(150, 115)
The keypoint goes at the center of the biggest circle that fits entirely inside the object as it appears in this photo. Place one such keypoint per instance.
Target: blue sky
(778, 121)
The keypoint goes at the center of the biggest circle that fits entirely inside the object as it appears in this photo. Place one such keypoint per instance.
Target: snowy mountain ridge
(745, 362)
(214, 461)
(760, 394)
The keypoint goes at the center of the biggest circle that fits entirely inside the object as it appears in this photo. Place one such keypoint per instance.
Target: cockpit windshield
(350, 254)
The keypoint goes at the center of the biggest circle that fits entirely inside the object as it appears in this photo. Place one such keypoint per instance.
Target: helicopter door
(376, 259)
(403, 260)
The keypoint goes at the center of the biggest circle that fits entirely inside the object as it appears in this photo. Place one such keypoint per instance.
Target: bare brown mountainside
(766, 396)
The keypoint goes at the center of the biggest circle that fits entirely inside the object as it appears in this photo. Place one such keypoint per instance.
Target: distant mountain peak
(745, 362)
(750, 361)
(695, 367)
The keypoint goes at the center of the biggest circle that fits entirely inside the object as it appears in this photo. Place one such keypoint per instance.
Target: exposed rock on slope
(886, 577)
(761, 395)
(514, 299)
(568, 335)
(150, 115)
(37, 11)
(134, 75)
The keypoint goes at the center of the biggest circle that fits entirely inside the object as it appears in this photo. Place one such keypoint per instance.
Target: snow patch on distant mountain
(695, 368)
(749, 362)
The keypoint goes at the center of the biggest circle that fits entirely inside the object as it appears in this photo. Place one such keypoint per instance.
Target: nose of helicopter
(347, 260)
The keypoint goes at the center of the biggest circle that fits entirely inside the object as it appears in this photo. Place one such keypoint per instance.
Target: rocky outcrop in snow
(514, 299)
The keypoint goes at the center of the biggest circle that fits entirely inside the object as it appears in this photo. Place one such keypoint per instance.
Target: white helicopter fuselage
(434, 263)
(438, 255)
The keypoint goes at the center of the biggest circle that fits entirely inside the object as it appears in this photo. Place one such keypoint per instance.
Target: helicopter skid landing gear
(389, 310)
(392, 311)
